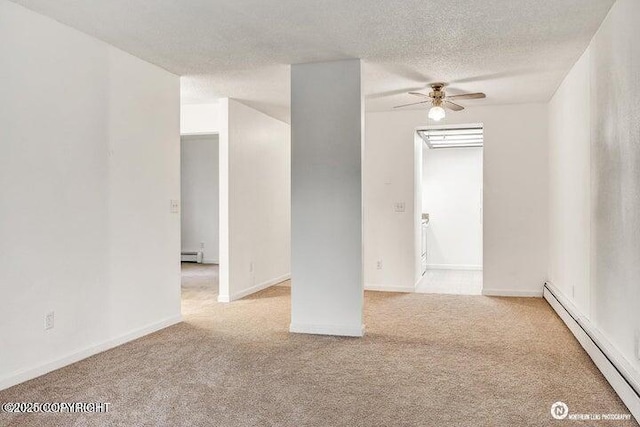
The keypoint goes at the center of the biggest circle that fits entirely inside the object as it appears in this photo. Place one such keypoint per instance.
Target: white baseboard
(511, 293)
(253, 289)
(624, 379)
(224, 298)
(339, 330)
(389, 288)
(32, 373)
(210, 261)
(453, 267)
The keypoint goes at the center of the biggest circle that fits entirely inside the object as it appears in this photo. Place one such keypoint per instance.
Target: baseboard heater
(613, 366)
(187, 256)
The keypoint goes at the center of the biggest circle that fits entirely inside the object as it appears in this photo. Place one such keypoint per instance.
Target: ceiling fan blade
(393, 92)
(477, 95)
(424, 95)
(414, 103)
(452, 106)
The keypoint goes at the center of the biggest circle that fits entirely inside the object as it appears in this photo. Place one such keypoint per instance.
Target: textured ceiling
(514, 50)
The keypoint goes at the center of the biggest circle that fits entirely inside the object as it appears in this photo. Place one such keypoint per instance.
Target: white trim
(339, 330)
(454, 267)
(77, 356)
(253, 289)
(450, 126)
(511, 293)
(606, 357)
(211, 133)
(210, 261)
(224, 298)
(389, 288)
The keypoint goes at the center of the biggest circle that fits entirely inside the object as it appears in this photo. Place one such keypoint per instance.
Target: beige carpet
(426, 360)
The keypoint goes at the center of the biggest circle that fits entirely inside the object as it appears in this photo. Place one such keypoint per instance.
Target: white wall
(199, 189)
(326, 130)
(90, 163)
(595, 185)
(452, 195)
(201, 119)
(255, 200)
(569, 189)
(391, 157)
(515, 226)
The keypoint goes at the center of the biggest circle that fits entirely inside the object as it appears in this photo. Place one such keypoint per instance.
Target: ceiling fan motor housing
(437, 94)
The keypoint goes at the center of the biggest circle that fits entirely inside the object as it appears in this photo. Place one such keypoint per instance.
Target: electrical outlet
(399, 206)
(201, 245)
(174, 206)
(379, 265)
(49, 320)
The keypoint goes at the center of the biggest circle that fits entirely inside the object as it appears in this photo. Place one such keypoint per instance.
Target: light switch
(175, 206)
(399, 206)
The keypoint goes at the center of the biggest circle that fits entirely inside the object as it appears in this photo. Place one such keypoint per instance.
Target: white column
(327, 130)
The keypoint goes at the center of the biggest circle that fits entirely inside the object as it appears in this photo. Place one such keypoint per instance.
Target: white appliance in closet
(423, 251)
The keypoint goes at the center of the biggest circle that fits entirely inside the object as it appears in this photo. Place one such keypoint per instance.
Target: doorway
(451, 218)
(199, 186)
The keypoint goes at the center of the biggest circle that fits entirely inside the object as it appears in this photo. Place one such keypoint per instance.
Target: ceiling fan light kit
(439, 101)
(437, 113)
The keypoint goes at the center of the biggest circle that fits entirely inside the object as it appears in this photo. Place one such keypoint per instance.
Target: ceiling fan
(439, 100)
